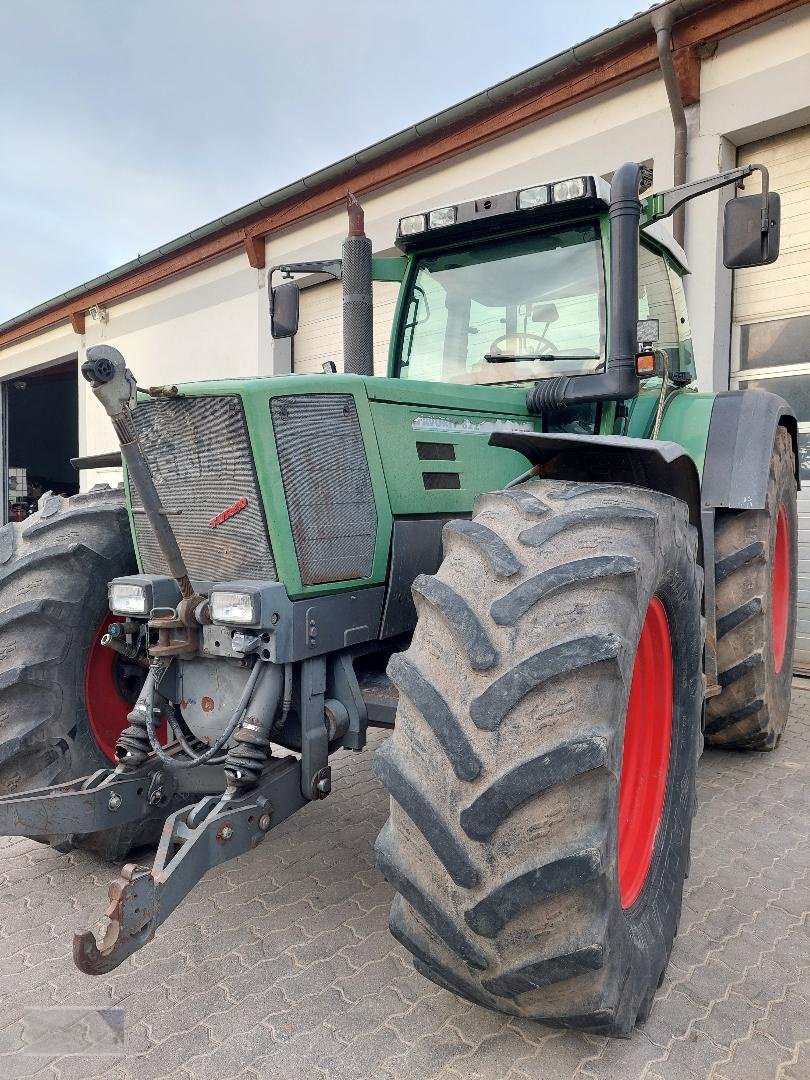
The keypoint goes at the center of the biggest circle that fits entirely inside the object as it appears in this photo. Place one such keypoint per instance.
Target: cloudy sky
(125, 123)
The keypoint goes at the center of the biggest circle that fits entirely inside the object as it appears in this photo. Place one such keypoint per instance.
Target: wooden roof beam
(255, 250)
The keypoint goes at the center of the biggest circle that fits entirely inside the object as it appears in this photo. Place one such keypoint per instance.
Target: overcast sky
(125, 123)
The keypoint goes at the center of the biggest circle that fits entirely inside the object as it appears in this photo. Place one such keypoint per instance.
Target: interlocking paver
(280, 964)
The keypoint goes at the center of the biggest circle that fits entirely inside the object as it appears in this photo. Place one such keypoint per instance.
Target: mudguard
(658, 465)
(740, 443)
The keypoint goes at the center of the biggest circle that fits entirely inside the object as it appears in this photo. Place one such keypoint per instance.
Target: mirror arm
(665, 203)
(332, 267)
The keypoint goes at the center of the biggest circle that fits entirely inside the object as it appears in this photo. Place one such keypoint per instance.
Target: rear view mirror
(751, 234)
(284, 302)
(545, 313)
(647, 333)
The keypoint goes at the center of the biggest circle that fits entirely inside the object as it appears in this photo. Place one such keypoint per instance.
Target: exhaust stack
(358, 310)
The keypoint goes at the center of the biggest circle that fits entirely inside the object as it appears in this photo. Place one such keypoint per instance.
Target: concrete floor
(280, 964)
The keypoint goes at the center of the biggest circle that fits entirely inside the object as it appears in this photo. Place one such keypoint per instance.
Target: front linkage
(195, 836)
(194, 839)
(243, 791)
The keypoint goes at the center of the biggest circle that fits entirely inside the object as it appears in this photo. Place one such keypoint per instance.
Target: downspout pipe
(662, 20)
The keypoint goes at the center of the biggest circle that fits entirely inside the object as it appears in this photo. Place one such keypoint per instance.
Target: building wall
(213, 321)
(755, 85)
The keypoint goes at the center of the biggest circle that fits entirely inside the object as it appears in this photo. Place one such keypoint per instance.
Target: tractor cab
(512, 288)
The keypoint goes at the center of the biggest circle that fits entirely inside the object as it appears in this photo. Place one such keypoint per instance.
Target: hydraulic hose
(216, 747)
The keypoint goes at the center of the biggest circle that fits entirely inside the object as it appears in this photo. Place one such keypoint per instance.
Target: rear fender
(738, 452)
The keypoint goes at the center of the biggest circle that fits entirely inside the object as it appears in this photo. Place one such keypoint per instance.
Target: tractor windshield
(510, 310)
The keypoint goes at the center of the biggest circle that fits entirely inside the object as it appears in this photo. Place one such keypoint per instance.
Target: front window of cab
(506, 311)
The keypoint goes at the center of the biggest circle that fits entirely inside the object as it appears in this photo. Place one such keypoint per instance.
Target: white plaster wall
(201, 326)
(632, 121)
(39, 351)
(756, 84)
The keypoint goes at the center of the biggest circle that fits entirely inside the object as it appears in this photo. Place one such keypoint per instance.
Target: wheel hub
(780, 590)
(645, 760)
(110, 691)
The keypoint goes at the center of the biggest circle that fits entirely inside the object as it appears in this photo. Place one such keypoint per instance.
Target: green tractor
(534, 549)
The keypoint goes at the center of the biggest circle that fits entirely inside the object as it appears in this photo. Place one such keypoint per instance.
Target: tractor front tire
(62, 697)
(542, 766)
(756, 564)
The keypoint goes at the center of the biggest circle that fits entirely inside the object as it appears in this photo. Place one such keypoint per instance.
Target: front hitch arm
(103, 800)
(90, 804)
(194, 839)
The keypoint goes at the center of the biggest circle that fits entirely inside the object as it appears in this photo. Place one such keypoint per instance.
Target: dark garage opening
(42, 411)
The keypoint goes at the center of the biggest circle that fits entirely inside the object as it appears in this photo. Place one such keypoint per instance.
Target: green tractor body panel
(427, 449)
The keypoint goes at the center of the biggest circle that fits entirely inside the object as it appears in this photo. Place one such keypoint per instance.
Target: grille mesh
(198, 452)
(327, 485)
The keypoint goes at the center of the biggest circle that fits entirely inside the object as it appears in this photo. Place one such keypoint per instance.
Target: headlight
(569, 189)
(126, 599)
(234, 608)
(139, 594)
(408, 226)
(438, 219)
(532, 196)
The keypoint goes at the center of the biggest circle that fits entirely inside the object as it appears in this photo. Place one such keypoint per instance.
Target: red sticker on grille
(237, 507)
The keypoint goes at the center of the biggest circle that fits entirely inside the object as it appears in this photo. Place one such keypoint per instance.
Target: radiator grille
(198, 452)
(327, 485)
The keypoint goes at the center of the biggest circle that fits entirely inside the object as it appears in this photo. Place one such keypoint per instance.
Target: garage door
(320, 326)
(771, 338)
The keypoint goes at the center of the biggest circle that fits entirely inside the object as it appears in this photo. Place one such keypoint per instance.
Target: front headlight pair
(232, 603)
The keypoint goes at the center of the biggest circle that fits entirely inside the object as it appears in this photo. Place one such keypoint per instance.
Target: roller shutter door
(320, 326)
(771, 333)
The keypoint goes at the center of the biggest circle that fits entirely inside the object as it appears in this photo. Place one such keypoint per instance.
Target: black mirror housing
(545, 313)
(284, 310)
(745, 241)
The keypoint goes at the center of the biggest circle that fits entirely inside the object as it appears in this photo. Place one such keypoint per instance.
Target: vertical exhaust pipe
(358, 309)
(625, 215)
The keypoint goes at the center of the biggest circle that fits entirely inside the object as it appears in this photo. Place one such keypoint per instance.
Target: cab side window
(655, 301)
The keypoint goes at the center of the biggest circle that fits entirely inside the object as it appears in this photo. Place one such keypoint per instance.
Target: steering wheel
(529, 345)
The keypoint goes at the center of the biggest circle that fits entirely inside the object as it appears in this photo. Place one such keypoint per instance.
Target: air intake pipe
(114, 386)
(618, 381)
(358, 309)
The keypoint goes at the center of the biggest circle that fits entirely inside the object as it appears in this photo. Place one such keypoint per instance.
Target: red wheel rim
(106, 708)
(645, 760)
(780, 590)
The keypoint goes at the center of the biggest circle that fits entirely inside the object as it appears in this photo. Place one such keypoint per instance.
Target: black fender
(658, 465)
(655, 464)
(738, 451)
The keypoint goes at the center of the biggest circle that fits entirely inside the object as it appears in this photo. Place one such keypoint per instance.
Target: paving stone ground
(280, 964)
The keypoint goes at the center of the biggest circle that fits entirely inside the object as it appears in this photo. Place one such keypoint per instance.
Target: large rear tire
(541, 808)
(756, 567)
(63, 696)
